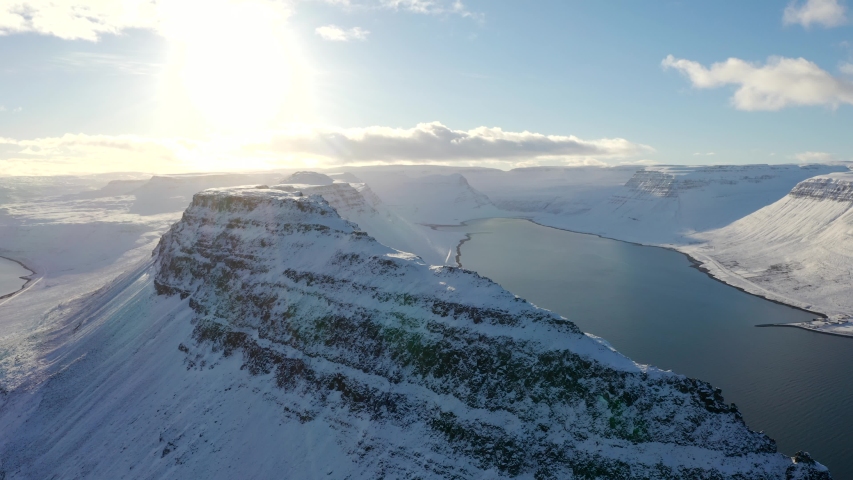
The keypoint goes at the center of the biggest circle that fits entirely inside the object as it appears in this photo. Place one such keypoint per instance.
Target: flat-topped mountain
(266, 327)
(308, 178)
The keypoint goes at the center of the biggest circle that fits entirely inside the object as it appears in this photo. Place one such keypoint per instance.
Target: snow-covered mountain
(308, 178)
(798, 250)
(652, 205)
(358, 204)
(431, 199)
(269, 337)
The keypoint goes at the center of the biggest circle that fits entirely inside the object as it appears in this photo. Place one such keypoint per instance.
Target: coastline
(694, 263)
(29, 278)
(801, 327)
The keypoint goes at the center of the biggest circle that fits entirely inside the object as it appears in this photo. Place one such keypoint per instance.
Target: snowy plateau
(279, 329)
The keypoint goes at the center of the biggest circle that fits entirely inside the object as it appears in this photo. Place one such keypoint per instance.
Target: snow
(431, 199)
(663, 205)
(126, 387)
(798, 250)
(92, 351)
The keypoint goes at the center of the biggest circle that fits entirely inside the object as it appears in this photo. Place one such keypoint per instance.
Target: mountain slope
(797, 250)
(431, 199)
(358, 204)
(270, 337)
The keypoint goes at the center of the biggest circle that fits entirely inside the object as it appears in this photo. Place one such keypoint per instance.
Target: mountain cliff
(438, 370)
(270, 337)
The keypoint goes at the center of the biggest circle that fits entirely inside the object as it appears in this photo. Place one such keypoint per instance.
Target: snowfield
(270, 337)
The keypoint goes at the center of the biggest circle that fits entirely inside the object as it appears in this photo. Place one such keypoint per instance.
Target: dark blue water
(649, 303)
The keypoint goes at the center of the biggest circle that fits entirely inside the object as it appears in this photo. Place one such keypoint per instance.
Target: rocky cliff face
(434, 371)
(838, 188)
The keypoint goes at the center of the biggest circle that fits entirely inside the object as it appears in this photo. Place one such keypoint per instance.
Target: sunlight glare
(234, 61)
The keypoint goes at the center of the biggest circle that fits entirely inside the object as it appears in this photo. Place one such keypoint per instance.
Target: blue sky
(186, 85)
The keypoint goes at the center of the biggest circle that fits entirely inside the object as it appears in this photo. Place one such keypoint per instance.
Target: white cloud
(91, 19)
(431, 7)
(826, 13)
(307, 147)
(338, 34)
(708, 154)
(80, 153)
(846, 68)
(814, 157)
(779, 83)
(436, 142)
(76, 19)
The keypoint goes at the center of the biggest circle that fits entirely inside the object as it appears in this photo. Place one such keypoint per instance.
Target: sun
(236, 63)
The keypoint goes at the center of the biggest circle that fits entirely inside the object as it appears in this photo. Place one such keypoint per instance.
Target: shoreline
(694, 263)
(29, 278)
(796, 325)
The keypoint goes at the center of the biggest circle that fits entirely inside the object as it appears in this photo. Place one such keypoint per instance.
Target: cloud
(338, 34)
(826, 13)
(709, 154)
(91, 19)
(307, 147)
(80, 153)
(431, 7)
(814, 157)
(779, 83)
(436, 142)
(425, 7)
(76, 19)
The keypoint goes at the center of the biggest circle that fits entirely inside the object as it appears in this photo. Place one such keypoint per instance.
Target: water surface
(10, 276)
(653, 307)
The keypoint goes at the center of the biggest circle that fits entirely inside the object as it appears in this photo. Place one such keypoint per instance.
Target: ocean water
(10, 273)
(652, 306)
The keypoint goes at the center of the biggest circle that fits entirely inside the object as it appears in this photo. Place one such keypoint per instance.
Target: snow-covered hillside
(430, 199)
(358, 204)
(652, 205)
(271, 338)
(799, 250)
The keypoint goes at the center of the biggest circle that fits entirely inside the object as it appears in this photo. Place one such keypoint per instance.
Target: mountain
(651, 205)
(431, 199)
(357, 203)
(308, 178)
(269, 337)
(796, 250)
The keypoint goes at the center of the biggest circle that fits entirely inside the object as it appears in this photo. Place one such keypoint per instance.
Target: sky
(167, 86)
